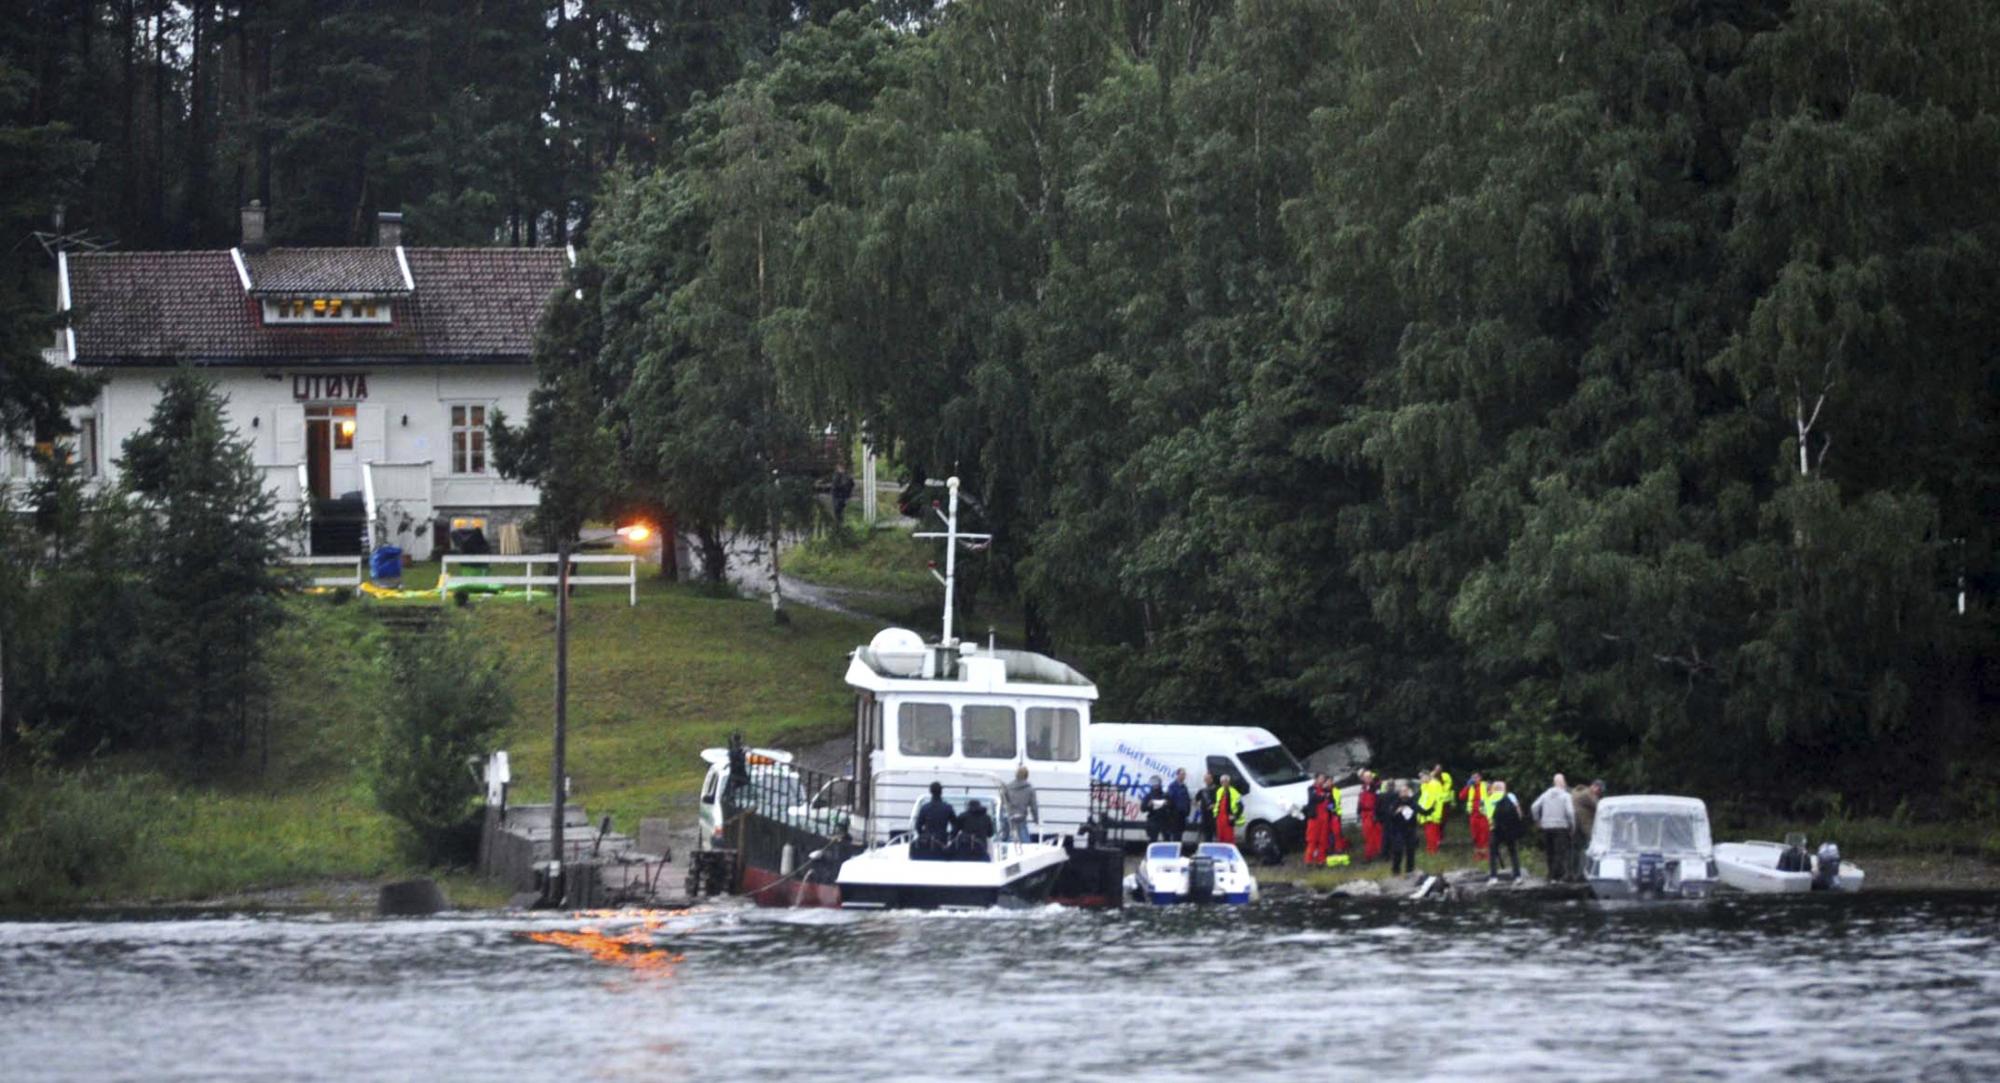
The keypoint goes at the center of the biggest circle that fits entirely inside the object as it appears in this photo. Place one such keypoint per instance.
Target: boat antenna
(952, 537)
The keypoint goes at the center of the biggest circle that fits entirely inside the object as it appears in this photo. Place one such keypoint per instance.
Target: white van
(1274, 783)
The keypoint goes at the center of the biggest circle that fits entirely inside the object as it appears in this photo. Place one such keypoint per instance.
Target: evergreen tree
(208, 552)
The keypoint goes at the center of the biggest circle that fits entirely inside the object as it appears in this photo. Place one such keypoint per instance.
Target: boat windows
(709, 787)
(1273, 766)
(1055, 734)
(989, 732)
(1664, 832)
(923, 729)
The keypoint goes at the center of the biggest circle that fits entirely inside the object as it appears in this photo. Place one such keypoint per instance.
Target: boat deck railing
(816, 802)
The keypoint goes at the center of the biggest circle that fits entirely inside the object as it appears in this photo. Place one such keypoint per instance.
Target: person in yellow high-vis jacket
(1432, 800)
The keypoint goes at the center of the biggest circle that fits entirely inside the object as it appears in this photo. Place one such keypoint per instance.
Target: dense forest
(1609, 384)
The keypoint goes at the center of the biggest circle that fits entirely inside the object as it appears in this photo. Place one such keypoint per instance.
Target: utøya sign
(317, 386)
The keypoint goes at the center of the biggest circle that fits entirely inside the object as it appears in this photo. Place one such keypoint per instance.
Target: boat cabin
(965, 710)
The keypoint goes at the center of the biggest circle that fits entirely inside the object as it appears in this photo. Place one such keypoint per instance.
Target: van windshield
(1272, 766)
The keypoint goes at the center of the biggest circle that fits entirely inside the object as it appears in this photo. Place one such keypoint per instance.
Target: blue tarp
(387, 563)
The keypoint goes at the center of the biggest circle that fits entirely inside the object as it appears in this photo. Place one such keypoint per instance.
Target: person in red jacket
(1473, 796)
(1371, 828)
(1315, 815)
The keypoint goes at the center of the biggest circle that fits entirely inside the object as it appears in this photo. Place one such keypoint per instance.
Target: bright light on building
(635, 533)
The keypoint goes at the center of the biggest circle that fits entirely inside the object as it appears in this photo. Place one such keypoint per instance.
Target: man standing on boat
(1018, 803)
(936, 819)
(1228, 810)
(1555, 813)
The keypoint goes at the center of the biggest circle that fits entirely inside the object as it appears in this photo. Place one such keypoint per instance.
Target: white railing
(447, 578)
(352, 582)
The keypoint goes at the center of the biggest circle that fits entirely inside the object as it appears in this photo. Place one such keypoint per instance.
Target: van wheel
(1260, 836)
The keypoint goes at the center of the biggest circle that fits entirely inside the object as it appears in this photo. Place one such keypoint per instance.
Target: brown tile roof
(155, 308)
(282, 271)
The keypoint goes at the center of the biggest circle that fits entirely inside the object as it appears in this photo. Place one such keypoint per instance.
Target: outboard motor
(1201, 879)
(1649, 875)
(1827, 875)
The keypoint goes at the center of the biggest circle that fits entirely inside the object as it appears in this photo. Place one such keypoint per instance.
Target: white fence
(448, 578)
(351, 581)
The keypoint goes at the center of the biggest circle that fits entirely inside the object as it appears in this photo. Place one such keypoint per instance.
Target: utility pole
(561, 802)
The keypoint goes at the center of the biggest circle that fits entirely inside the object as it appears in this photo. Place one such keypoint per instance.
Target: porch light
(635, 532)
(347, 428)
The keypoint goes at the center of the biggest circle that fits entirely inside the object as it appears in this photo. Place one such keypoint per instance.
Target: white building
(363, 378)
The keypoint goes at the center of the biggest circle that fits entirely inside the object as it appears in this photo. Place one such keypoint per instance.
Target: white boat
(962, 872)
(1651, 846)
(1755, 866)
(1215, 873)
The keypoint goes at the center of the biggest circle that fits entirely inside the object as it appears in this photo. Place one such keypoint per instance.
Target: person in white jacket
(1555, 813)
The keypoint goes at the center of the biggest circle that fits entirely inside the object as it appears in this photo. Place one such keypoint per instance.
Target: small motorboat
(1214, 873)
(1783, 868)
(1651, 847)
(962, 872)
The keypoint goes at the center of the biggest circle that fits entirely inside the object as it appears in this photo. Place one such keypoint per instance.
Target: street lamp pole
(561, 802)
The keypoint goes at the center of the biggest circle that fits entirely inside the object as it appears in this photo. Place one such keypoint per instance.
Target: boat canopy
(1651, 823)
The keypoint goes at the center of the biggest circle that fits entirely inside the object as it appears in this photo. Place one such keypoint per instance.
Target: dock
(602, 869)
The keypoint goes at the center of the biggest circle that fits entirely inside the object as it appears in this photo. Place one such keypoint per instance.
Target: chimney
(253, 228)
(388, 229)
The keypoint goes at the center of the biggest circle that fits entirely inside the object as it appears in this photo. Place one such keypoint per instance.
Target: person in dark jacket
(1182, 802)
(1506, 826)
(1204, 807)
(1399, 826)
(841, 490)
(1159, 811)
(975, 822)
(936, 819)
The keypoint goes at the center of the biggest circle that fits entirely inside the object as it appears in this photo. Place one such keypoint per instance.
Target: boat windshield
(1643, 831)
(1220, 851)
(1161, 850)
(1272, 766)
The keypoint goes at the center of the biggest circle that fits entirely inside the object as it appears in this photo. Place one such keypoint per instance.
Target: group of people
(941, 828)
(1394, 815)
(1215, 811)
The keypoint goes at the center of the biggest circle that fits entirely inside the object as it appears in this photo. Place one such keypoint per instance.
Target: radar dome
(899, 650)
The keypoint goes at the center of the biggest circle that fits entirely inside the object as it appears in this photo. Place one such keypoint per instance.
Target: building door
(331, 466)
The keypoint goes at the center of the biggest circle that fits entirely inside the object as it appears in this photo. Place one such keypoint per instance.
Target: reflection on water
(1861, 987)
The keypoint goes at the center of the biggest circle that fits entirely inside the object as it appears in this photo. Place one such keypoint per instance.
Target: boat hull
(1030, 890)
(1625, 890)
(1753, 868)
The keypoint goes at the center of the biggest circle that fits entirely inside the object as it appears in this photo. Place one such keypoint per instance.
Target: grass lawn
(650, 686)
(888, 560)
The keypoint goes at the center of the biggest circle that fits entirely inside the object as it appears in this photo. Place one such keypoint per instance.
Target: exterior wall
(405, 416)
(403, 421)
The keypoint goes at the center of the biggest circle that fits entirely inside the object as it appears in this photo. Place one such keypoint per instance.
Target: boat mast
(952, 536)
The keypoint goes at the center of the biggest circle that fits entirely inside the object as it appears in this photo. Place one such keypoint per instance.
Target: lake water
(1864, 987)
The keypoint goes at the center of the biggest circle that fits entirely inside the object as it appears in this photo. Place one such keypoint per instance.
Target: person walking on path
(1399, 817)
(841, 490)
(1503, 813)
(1473, 797)
(1585, 800)
(1228, 810)
(1371, 827)
(1555, 813)
(1018, 804)
(1178, 797)
(1315, 815)
(1204, 807)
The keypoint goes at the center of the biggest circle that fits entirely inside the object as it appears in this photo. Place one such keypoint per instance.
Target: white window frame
(453, 428)
(278, 311)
